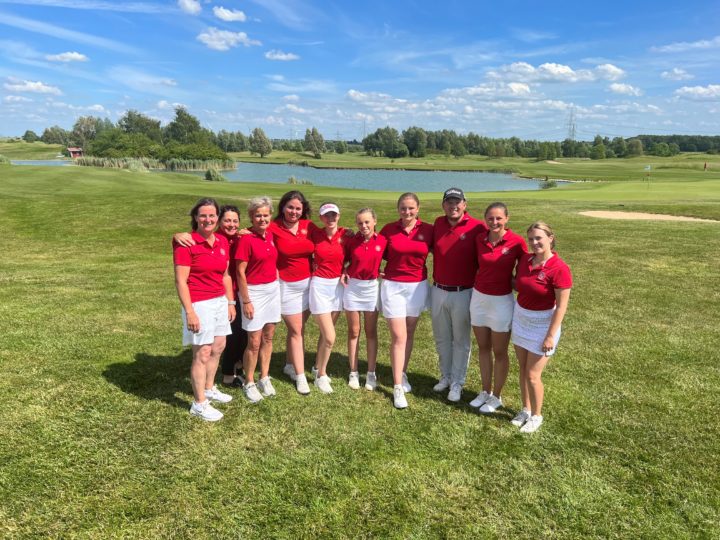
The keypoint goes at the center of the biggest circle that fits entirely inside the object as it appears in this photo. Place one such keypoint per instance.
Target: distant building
(75, 152)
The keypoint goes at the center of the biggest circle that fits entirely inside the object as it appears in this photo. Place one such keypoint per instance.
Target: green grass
(96, 442)
(23, 150)
(688, 166)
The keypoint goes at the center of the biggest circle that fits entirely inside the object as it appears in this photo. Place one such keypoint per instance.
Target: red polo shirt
(536, 287)
(232, 269)
(364, 257)
(294, 250)
(261, 256)
(406, 253)
(497, 263)
(329, 253)
(454, 255)
(207, 266)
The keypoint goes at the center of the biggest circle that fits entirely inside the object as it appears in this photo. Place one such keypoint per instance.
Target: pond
(43, 162)
(381, 179)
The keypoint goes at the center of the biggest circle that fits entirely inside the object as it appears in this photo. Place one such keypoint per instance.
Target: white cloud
(16, 99)
(192, 7)
(710, 92)
(140, 80)
(626, 89)
(531, 36)
(282, 56)
(166, 105)
(303, 86)
(486, 91)
(223, 40)
(97, 108)
(37, 87)
(67, 57)
(292, 108)
(229, 15)
(551, 72)
(519, 89)
(676, 74)
(684, 46)
(291, 97)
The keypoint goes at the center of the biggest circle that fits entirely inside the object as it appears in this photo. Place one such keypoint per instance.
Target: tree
(634, 147)
(415, 138)
(314, 142)
(86, 128)
(341, 147)
(135, 122)
(185, 128)
(55, 135)
(259, 143)
(30, 136)
(619, 146)
(372, 144)
(597, 151)
(458, 148)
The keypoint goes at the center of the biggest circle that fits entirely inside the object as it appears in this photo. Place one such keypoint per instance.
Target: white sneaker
(455, 392)
(213, 394)
(354, 380)
(399, 397)
(315, 372)
(266, 387)
(205, 411)
(532, 425)
(492, 404)
(323, 384)
(370, 381)
(521, 417)
(442, 385)
(405, 383)
(301, 385)
(289, 370)
(252, 393)
(481, 398)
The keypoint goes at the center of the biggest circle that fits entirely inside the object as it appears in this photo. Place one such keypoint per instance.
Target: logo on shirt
(462, 236)
(340, 240)
(505, 251)
(377, 248)
(222, 251)
(541, 276)
(272, 243)
(421, 237)
(303, 231)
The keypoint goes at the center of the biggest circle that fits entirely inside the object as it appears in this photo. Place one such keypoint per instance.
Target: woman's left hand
(231, 313)
(548, 344)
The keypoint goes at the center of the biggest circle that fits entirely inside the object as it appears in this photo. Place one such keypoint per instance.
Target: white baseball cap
(329, 207)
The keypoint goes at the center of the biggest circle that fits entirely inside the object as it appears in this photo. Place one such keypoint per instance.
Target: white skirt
(325, 295)
(529, 329)
(213, 316)
(266, 303)
(295, 296)
(361, 295)
(400, 299)
(493, 312)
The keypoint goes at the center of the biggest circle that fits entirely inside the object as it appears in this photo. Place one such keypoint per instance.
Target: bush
(548, 183)
(4, 160)
(212, 175)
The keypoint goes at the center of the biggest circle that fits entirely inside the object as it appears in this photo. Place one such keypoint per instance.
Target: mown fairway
(96, 440)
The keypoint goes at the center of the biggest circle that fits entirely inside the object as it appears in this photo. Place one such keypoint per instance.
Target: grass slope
(24, 150)
(96, 442)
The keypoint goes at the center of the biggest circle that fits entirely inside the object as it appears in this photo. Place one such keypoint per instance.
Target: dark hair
(224, 209)
(408, 195)
(196, 209)
(289, 196)
(494, 205)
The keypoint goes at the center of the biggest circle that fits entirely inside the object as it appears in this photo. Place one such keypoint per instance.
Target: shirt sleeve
(242, 252)
(181, 255)
(563, 277)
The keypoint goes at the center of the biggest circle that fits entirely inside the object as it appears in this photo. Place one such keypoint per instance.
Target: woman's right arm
(243, 293)
(181, 276)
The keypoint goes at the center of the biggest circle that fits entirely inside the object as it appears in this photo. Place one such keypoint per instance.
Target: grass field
(96, 440)
(23, 150)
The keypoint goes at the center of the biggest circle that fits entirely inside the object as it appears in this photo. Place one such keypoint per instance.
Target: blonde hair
(259, 202)
(541, 225)
(366, 210)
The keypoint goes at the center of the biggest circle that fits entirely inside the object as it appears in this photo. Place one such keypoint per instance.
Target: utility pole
(571, 126)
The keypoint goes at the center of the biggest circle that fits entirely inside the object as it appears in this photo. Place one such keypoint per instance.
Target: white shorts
(294, 296)
(529, 329)
(494, 312)
(361, 295)
(266, 303)
(400, 299)
(213, 315)
(325, 295)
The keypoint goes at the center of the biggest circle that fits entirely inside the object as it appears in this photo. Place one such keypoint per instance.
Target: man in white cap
(454, 268)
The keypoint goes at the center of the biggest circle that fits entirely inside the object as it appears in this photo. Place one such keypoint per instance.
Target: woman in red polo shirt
(325, 287)
(492, 302)
(205, 291)
(291, 229)
(363, 255)
(543, 283)
(258, 288)
(404, 290)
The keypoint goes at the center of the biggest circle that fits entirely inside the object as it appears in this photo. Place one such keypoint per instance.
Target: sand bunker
(553, 162)
(642, 215)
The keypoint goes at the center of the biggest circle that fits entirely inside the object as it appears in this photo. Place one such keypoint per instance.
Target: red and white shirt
(454, 255)
(364, 258)
(232, 269)
(406, 253)
(294, 250)
(496, 264)
(536, 286)
(329, 253)
(261, 256)
(207, 266)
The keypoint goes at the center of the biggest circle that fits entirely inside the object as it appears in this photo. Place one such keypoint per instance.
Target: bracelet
(231, 302)
(248, 302)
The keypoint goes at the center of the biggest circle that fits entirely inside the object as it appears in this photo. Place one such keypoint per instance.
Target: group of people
(236, 284)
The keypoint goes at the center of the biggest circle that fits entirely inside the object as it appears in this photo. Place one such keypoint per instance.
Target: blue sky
(495, 68)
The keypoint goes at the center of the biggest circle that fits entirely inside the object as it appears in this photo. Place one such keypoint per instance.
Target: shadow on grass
(154, 377)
